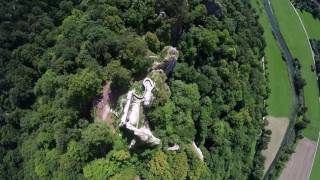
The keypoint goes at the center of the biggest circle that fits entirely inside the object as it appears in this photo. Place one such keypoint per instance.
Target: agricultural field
(291, 27)
(299, 166)
(315, 174)
(278, 127)
(297, 42)
(312, 26)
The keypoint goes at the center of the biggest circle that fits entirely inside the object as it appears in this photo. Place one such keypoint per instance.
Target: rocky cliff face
(131, 116)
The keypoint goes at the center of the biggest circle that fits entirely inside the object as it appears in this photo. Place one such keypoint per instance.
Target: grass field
(315, 174)
(291, 27)
(312, 26)
(280, 101)
(297, 42)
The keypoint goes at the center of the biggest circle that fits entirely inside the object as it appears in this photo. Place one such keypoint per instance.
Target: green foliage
(162, 92)
(159, 167)
(119, 76)
(117, 165)
(83, 87)
(309, 6)
(77, 152)
(197, 168)
(152, 41)
(56, 55)
(179, 166)
(98, 138)
(47, 84)
(127, 173)
(205, 40)
(100, 169)
(185, 96)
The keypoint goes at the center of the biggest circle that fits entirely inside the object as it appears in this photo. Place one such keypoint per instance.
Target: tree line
(311, 6)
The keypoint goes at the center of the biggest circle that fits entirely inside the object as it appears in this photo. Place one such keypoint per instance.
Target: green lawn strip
(315, 173)
(297, 42)
(280, 101)
(312, 25)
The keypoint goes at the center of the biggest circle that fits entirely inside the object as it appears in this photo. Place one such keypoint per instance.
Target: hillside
(182, 83)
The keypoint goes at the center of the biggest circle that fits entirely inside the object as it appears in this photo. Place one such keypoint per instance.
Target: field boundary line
(305, 31)
(314, 156)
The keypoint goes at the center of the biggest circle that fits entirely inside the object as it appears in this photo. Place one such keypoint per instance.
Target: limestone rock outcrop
(131, 118)
(197, 150)
(132, 114)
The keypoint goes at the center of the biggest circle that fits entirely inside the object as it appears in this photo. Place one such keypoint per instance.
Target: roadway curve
(289, 60)
(283, 46)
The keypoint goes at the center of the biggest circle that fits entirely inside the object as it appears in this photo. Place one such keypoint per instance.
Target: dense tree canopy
(55, 57)
(309, 6)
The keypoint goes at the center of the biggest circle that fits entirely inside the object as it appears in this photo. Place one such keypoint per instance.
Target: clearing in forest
(300, 163)
(278, 126)
(103, 109)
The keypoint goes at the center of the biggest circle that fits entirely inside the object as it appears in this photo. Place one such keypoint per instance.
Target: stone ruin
(132, 113)
(132, 117)
(175, 147)
(169, 62)
(198, 150)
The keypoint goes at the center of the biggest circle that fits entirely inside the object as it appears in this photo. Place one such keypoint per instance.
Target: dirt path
(278, 126)
(103, 107)
(300, 163)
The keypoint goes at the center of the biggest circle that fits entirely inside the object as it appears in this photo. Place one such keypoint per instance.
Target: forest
(311, 6)
(56, 56)
(316, 49)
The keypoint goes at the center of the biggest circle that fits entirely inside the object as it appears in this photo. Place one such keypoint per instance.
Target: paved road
(289, 60)
(277, 34)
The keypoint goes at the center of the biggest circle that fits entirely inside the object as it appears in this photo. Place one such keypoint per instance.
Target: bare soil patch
(278, 126)
(300, 163)
(103, 106)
